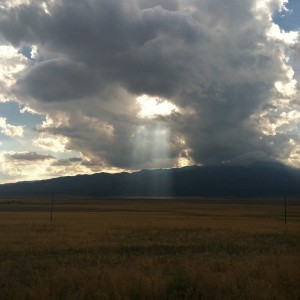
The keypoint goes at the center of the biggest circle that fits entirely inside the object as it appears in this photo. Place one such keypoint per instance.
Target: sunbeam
(152, 145)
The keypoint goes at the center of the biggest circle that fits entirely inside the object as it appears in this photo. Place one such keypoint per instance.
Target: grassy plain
(149, 249)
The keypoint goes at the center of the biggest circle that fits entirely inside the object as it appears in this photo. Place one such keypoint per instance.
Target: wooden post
(51, 207)
(285, 209)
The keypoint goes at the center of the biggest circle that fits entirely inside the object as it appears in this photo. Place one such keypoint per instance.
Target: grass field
(149, 249)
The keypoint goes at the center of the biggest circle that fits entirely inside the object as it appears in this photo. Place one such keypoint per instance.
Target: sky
(108, 86)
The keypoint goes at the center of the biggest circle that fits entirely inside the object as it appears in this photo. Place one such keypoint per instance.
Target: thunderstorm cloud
(223, 67)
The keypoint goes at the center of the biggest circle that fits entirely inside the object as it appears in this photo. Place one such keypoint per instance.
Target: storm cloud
(223, 64)
(28, 156)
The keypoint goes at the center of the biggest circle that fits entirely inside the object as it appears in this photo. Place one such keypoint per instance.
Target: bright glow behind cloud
(151, 107)
(51, 142)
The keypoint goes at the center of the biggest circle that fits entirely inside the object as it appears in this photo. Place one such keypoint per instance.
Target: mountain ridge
(256, 179)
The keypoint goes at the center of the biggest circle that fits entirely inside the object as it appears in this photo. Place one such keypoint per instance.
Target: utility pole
(51, 207)
(285, 209)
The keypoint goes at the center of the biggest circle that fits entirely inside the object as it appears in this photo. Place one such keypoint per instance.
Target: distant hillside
(257, 179)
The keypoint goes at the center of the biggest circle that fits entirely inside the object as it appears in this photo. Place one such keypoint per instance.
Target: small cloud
(67, 162)
(27, 109)
(28, 156)
(34, 51)
(10, 130)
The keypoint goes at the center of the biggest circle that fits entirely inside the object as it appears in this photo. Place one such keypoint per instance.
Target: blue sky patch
(289, 20)
(11, 111)
(26, 51)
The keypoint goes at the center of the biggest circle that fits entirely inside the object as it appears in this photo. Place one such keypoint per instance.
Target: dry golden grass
(149, 249)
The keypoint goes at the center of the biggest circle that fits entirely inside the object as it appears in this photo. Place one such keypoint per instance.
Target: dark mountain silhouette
(257, 179)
